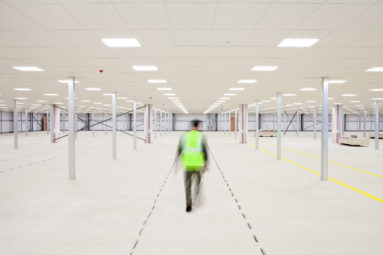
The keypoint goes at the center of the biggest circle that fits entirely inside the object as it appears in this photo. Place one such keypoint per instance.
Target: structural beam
(324, 135)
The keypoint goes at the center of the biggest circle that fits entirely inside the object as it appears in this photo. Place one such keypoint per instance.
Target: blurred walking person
(192, 150)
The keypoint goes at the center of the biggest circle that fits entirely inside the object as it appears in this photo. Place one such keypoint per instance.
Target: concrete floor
(252, 204)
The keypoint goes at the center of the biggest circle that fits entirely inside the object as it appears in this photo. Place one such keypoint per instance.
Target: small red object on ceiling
(101, 70)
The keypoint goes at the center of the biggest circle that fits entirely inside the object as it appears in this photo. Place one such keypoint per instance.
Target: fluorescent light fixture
(310, 101)
(172, 98)
(121, 42)
(375, 69)
(298, 42)
(21, 98)
(59, 103)
(354, 102)
(42, 101)
(28, 68)
(308, 89)
(330, 98)
(97, 103)
(145, 68)
(289, 95)
(122, 98)
(376, 90)
(266, 101)
(157, 81)
(298, 103)
(224, 98)
(377, 98)
(237, 89)
(229, 94)
(273, 98)
(22, 89)
(264, 68)
(66, 81)
(247, 81)
(348, 95)
(85, 101)
(108, 94)
(164, 89)
(92, 89)
(169, 94)
(337, 81)
(50, 94)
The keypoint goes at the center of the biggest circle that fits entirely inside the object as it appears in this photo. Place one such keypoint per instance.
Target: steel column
(364, 122)
(15, 126)
(134, 125)
(376, 125)
(279, 142)
(114, 126)
(324, 134)
(256, 124)
(315, 123)
(71, 130)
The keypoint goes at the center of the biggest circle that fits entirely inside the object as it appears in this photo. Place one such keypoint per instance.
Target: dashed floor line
(141, 231)
(238, 204)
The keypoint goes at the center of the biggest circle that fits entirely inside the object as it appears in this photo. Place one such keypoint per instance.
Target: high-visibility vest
(193, 158)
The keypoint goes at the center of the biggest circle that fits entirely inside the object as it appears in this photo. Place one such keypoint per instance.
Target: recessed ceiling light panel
(145, 68)
(157, 81)
(375, 69)
(247, 81)
(121, 42)
(28, 68)
(298, 42)
(264, 68)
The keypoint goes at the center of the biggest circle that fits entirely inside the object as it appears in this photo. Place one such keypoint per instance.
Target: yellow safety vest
(193, 158)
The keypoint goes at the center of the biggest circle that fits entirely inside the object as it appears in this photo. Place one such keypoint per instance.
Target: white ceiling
(200, 47)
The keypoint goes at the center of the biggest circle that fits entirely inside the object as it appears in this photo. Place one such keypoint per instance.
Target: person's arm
(205, 150)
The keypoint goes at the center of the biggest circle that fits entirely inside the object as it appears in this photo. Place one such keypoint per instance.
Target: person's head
(195, 124)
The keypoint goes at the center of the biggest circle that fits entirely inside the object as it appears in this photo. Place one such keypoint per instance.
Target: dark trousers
(191, 177)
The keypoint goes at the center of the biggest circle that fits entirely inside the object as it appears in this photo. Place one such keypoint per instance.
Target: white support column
(15, 125)
(134, 124)
(155, 123)
(315, 123)
(257, 124)
(71, 130)
(376, 125)
(279, 140)
(114, 126)
(341, 120)
(54, 123)
(324, 135)
(26, 122)
(148, 123)
(92, 122)
(243, 118)
(229, 124)
(47, 122)
(364, 122)
(160, 124)
(297, 122)
(336, 123)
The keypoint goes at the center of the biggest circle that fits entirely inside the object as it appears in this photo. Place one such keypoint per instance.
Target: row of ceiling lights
(294, 43)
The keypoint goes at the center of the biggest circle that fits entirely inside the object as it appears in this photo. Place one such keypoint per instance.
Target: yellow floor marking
(332, 179)
(330, 161)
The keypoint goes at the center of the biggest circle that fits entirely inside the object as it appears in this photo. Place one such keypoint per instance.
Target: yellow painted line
(330, 161)
(317, 173)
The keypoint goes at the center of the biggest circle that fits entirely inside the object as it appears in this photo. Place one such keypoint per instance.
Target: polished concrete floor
(251, 203)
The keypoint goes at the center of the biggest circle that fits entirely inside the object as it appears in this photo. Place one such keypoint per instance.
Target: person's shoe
(188, 208)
